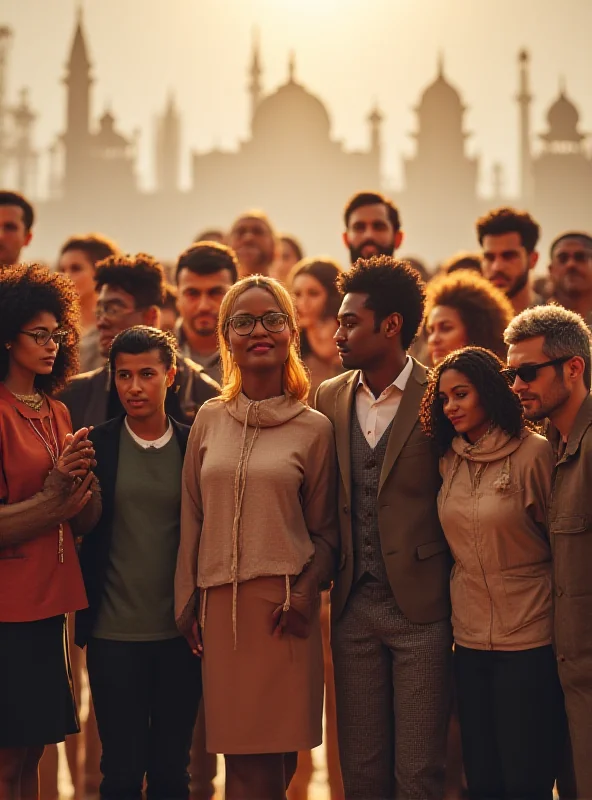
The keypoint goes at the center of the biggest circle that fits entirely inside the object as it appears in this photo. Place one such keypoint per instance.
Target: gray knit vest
(366, 465)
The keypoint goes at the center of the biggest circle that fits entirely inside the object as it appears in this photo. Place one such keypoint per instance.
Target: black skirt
(37, 705)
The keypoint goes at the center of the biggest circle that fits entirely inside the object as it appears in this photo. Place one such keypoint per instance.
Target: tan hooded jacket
(492, 508)
(259, 495)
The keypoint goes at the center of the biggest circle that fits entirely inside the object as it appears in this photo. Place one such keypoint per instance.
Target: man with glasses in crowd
(131, 291)
(570, 272)
(549, 368)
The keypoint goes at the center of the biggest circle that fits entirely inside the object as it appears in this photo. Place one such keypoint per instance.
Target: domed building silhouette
(562, 171)
(440, 195)
(290, 165)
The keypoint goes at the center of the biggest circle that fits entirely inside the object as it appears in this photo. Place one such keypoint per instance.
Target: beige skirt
(265, 696)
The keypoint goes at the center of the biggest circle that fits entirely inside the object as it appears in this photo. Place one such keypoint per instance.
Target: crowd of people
(254, 495)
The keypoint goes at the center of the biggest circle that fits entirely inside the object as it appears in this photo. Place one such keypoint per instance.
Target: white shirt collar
(156, 443)
(399, 383)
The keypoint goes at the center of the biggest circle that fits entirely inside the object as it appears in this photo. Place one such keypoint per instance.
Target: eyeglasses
(272, 321)
(528, 372)
(579, 256)
(43, 337)
(112, 310)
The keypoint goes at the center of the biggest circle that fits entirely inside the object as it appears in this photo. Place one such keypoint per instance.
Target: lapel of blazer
(343, 411)
(405, 419)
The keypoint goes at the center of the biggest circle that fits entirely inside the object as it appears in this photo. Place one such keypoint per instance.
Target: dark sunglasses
(528, 372)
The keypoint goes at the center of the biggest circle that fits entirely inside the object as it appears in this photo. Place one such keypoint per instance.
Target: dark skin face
(27, 358)
(571, 268)
(199, 301)
(370, 233)
(446, 332)
(13, 234)
(142, 380)
(254, 244)
(116, 311)
(261, 355)
(507, 263)
(80, 269)
(361, 344)
(461, 405)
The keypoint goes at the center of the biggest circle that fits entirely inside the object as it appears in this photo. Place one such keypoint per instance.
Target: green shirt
(138, 593)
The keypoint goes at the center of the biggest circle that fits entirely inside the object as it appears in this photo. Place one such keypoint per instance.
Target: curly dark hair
(141, 276)
(25, 292)
(484, 370)
(393, 287)
(508, 220)
(484, 310)
(141, 339)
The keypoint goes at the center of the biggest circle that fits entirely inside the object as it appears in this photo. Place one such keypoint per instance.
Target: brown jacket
(570, 525)
(413, 546)
(493, 506)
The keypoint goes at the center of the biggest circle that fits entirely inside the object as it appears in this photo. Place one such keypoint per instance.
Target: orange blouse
(35, 581)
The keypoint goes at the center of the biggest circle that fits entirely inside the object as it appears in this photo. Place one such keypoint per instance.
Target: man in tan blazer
(391, 635)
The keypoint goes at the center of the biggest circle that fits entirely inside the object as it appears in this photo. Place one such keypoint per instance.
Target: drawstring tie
(240, 480)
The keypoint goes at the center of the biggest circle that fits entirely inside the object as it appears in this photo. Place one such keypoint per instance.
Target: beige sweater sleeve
(191, 525)
(319, 504)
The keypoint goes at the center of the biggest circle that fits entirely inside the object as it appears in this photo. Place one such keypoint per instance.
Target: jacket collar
(582, 423)
(403, 424)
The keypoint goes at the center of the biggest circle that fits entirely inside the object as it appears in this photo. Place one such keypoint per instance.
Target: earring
(8, 345)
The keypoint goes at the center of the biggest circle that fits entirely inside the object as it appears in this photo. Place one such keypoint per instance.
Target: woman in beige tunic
(258, 539)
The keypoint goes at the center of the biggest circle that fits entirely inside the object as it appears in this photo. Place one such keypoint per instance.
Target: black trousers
(146, 696)
(512, 722)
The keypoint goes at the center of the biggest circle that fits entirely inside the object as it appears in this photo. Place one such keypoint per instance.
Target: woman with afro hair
(463, 309)
(48, 495)
(496, 478)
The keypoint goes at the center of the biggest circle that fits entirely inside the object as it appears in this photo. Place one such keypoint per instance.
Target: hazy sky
(348, 52)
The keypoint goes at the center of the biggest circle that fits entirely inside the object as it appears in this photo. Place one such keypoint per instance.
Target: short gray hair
(564, 332)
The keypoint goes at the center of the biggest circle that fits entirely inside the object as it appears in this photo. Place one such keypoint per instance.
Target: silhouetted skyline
(476, 65)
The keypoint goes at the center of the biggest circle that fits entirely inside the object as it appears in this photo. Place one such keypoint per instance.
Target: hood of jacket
(264, 413)
(494, 445)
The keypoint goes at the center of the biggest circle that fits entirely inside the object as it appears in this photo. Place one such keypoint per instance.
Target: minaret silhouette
(25, 155)
(255, 87)
(375, 119)
(168, 140)
(524, 99)
(76, 138)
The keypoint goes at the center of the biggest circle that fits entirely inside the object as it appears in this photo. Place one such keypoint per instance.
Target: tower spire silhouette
(255, 72)
(292, 67)
(168, 147)
(78, 81)
(375, 118)
(524, 100)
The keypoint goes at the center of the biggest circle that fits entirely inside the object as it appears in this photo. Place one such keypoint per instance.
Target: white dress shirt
(375, 414)
(156, 443)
